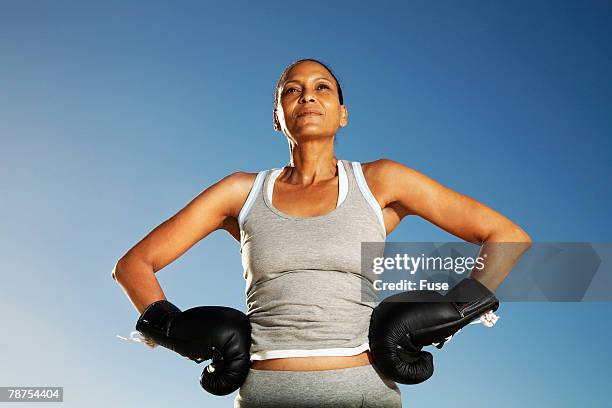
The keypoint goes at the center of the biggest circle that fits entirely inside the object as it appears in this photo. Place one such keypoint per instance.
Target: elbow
(512, 234)
(528, 241)
(114, 272)
(521, 237)
(117, 270)
(129, 266)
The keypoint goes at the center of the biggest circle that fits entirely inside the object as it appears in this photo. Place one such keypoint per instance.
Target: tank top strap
(356, 172)
(255, 189)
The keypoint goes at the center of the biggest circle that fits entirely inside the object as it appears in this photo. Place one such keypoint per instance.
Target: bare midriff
(313, 363)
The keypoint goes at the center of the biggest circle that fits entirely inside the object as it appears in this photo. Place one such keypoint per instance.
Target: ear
(343, 116)
(277, 126)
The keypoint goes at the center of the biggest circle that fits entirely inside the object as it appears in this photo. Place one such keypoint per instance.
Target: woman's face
(308, 105)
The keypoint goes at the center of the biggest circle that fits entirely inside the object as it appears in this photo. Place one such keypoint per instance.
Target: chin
(310, 133)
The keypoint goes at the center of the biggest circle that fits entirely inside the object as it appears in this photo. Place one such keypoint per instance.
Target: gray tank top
(305, 290)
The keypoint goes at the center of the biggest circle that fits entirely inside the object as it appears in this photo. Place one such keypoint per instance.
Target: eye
(288, 91)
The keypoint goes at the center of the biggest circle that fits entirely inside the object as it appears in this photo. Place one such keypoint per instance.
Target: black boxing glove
(219, 333)
(402, 324)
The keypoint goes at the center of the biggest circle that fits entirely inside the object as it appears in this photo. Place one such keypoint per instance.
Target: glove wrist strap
(155, 319)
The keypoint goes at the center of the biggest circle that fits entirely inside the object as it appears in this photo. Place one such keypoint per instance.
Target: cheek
(333, 111)
(287, 107)
(282, 112)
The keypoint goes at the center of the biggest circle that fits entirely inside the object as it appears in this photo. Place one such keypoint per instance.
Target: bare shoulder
(385, 172)
(381, 176)
(236, 187)
(381, 168)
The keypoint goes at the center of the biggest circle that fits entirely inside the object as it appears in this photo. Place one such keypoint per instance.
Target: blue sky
(114, 115)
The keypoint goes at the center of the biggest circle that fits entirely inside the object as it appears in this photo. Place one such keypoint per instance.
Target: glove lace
(487, 320)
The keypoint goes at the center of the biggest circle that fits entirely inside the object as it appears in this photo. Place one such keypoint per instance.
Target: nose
(307, 95)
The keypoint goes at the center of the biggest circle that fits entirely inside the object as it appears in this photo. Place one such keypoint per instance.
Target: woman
(300, 229)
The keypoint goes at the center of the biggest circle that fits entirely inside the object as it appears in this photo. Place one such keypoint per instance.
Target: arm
(215, 208)
(411, 192)
(201, 333)
(403, 324)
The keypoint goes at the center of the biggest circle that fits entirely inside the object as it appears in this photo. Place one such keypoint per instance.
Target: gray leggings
(362, 386)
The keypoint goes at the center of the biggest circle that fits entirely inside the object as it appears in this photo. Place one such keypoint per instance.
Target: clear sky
(115, 114)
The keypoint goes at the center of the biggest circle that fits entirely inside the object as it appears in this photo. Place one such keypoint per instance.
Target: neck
(311, 163)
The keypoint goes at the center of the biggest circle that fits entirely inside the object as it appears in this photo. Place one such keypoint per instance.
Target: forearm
(138, 281)
(501, 251)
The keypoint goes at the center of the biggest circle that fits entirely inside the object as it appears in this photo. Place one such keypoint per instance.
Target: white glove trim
(487, 320)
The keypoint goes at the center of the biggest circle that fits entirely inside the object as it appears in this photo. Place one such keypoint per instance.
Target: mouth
(309, 113)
